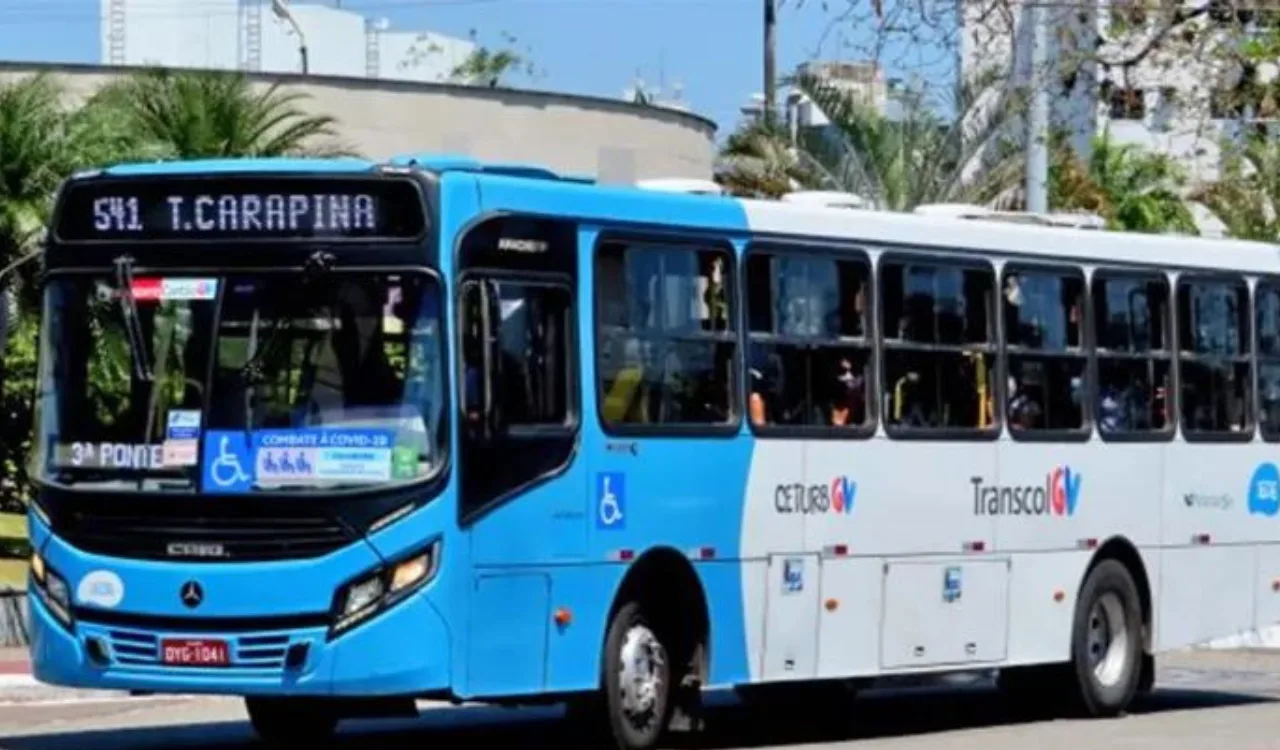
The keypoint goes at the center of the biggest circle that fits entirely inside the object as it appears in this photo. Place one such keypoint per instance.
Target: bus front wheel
(637, 679)
(1107, 646)
(282, 722)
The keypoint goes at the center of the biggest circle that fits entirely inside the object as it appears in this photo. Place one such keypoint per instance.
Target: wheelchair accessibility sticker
(611, 500)
(275, 458)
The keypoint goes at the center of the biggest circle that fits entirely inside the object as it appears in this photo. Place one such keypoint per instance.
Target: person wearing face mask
(848, 403)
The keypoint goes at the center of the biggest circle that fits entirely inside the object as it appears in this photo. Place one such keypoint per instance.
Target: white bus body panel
(880, 603)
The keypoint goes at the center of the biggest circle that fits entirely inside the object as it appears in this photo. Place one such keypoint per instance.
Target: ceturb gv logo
(836, 496)
(1058, 496)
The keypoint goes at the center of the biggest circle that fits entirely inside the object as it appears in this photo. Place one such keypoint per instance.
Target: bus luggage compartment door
(791, 618)
(938, 613)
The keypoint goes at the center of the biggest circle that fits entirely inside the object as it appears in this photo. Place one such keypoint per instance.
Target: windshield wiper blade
(132, 324)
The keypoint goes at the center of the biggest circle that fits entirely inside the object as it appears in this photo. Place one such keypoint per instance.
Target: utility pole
(1037, 187)
(770, 51)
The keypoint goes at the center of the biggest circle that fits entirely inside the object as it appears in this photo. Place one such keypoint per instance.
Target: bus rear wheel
(637, 679)
(1106, 642)
(290, 722)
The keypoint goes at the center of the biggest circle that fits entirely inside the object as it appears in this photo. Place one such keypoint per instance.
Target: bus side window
(665, 338)
(1267, 322)
(1134, 353)
(1046, 363)
(939, 373)
(1214, 357)
(810, 355)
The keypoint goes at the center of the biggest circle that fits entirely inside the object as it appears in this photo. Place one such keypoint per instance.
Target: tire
(638, 706)
(285, 722)
(1106, 641)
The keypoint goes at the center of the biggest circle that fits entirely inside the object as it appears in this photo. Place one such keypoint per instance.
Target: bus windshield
(259, 383)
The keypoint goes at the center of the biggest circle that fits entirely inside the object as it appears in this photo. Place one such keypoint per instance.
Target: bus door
(521, 498)
(518, 391)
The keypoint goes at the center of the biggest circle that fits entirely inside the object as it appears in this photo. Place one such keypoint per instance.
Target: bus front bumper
(401, 652)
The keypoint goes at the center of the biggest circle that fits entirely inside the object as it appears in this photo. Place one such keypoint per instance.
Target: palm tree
(898, 164)
(189, 115)
(1247, 195)
(759, 161)
(1132, 189)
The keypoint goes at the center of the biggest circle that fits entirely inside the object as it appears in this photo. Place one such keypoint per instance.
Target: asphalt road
(1231, 699)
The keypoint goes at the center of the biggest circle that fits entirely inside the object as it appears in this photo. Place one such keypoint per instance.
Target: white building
(248, 35)
(1169, 101)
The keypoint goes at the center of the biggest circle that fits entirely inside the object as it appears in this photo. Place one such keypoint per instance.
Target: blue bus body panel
(377, 658)
(485, 624)
(688, 497)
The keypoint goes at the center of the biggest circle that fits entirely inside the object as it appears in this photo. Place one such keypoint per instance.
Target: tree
(899, 163)
(1246, 196)
(487, 67)
(1132, 189)
(190, 115)
(42, 140)
(1190, 63)
(759, 161)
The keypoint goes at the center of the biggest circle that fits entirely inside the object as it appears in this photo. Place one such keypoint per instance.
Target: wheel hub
(642, 659)
(1109, 640)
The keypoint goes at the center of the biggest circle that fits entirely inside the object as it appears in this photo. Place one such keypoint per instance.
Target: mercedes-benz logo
(191, 594)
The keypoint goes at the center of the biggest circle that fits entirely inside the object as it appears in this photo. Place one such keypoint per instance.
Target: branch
(1174, 16)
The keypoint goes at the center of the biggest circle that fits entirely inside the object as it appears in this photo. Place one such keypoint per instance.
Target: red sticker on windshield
(146, 290)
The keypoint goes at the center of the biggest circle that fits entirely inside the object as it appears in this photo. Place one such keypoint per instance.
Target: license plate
(195, 653)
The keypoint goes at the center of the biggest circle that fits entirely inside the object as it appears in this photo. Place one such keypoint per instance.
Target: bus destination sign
(261, 208)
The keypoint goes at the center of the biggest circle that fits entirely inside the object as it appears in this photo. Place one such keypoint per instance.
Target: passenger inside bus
(849, 395)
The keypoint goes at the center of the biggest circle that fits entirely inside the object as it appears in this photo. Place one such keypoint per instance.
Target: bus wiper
(132, 323)
(251, 373)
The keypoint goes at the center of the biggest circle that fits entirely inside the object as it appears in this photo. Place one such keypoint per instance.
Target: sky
(711, 48)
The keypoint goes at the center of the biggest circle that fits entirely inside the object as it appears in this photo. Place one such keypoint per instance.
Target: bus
(338, 436)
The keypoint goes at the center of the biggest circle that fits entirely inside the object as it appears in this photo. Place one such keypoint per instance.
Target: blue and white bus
(338, 435)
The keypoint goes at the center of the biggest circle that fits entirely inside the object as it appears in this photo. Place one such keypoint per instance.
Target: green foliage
(16, 400)
(1246, 196)
(759, 161)
(193, 115)
(488, 67)
(894, 164)
(1132, 189)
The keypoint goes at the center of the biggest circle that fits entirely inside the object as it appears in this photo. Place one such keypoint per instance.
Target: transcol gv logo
(835, 497)
(1058, 496)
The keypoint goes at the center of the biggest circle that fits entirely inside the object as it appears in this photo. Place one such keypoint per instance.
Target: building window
(1131, 313)
(1046, 358)
(666, 345)
(939, 347)
(1214, 356)
(1128, 103)
(810, 354)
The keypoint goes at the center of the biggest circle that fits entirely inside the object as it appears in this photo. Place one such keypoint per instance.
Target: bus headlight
(383, 587)
(52, 589)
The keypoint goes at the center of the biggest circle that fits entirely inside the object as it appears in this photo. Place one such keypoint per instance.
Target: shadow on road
(900, 713)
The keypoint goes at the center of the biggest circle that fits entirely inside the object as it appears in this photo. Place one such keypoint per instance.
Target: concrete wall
(563, 132)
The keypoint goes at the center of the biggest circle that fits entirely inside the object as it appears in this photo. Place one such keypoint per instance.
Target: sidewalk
(14, 661)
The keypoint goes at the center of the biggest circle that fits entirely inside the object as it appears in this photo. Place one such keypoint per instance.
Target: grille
(139, 649)
(141, 536)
